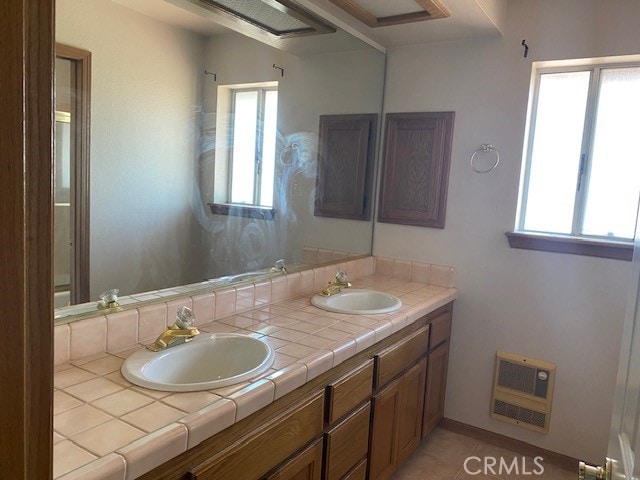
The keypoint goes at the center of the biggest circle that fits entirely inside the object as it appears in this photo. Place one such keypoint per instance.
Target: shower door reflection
(71, 176)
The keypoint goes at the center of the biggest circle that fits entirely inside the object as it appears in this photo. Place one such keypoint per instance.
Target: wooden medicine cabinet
(415, 168)
(346, 147)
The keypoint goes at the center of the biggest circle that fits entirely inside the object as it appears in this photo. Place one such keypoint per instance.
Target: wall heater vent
(523, 391)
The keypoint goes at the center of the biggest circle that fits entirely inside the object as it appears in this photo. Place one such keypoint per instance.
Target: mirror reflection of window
(62, 157)
(252, 159)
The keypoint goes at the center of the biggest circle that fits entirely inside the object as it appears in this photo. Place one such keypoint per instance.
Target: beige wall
(563, 308)
(146, 98)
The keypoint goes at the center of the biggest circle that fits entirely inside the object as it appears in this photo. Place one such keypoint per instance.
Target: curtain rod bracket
(279, 68)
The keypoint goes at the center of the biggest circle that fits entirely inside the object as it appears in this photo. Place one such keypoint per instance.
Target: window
(581, 171)
(243, 177)
(252, 158)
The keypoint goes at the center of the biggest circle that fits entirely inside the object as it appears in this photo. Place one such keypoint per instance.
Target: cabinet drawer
(306, 465)
(359, 472)
(347, 443)
(440, 329)
(401, 355)
(349, 391)
(276, 441)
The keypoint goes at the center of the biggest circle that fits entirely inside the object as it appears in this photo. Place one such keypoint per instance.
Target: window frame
(257, 177)
(575, 242)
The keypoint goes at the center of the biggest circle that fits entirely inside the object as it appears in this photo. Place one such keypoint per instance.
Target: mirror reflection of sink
(211, 360)
(241, 277)
(358, 302)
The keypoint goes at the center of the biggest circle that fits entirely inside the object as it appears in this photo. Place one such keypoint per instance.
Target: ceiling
(469, 19)
(192, 15)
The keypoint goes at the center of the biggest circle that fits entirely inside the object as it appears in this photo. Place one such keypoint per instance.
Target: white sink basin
(210, 360)
(358, 302)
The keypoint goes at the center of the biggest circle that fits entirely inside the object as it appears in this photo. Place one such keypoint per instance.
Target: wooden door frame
(26, 208)
(81, 121)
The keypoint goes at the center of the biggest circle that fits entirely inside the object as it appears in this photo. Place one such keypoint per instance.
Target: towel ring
(287, 156)
(485, 147)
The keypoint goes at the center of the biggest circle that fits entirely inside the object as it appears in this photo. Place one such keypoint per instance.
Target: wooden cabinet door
(437, 364)
(382, 451)
(415, 168)
(409, 421)
(307, 465)
(346, 154)
(397, 422)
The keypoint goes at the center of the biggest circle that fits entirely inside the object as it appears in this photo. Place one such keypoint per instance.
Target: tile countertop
(107, 428)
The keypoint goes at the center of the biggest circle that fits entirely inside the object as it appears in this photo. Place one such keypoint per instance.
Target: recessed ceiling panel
(255, 9)
(278, 17)
(469, 19)
(398, 12)
(385, 8)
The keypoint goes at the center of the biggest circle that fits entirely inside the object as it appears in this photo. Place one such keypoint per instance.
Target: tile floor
(442, 457)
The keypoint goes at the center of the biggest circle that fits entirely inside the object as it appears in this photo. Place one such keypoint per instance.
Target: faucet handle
(109, 299)
(110, 296)
(279, 266)
(341, 276)
(185, 318)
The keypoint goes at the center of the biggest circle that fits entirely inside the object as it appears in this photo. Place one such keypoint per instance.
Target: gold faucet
(180, 332)
(171, 337)
(337, 284)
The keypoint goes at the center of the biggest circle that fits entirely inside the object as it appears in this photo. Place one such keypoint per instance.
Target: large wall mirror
(204, 146)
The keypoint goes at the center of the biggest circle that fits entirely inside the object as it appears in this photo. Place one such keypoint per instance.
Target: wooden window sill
(573, 245)
(247, 211)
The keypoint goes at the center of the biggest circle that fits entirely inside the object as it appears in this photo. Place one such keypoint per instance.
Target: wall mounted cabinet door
(346, 147)
(415, 170)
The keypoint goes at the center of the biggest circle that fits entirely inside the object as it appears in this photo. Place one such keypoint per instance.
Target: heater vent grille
(521, 414)
(523, 391)
(516, 376)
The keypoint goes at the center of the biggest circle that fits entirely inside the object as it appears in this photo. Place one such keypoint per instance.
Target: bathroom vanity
(348, 396)
(372, 410)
